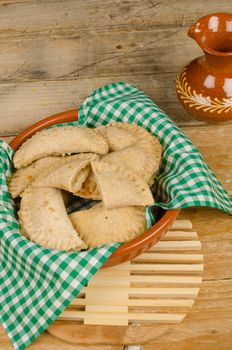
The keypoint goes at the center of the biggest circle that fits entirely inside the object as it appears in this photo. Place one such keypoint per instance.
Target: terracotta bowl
(126, 251)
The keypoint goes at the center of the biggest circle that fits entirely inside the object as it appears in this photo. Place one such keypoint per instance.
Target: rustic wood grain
(19, 15)
(208, 324)
(117, 296)
(47, 342)
(214, 229)
(215, 143)
(210, 315)
(53, 53)
(23, 104)
(50, 60)
(209, 320)
(207, 342)
(111, 53)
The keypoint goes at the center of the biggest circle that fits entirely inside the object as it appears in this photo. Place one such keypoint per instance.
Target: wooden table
(53, 53)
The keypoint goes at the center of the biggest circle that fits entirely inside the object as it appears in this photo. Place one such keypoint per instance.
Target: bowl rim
(148, 236)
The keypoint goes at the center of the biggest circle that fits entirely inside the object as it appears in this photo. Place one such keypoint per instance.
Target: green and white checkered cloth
(37, 284)
(184, 179)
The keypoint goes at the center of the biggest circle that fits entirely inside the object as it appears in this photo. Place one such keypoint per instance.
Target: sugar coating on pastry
(69, 176)
(23, 177)
(97, 226)
(120, 187)
(43, 220)
(60, 141)
(143, 158)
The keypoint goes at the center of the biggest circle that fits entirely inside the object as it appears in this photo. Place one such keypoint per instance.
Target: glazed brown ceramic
(204, 87)
(126, 251)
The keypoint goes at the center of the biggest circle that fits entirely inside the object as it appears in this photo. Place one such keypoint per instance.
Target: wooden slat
(104, 279)
(169, 297)
(176, 246)
(175, 268)
(149, 291)
(182, 225)
(180, 235)
(113, 279)
(202, 318)
(97, 317)
(194, 332)
(135, 302)
(169, 257)
(188, 268)
(165, 279)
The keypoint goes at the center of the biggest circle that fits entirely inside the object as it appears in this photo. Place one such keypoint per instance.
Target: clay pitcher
(204, 86)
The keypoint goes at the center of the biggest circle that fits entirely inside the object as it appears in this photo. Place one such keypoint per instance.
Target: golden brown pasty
(60, 141)
(97, 226)
(43, 219)
(69, 176)
(143, 158)
(120, 187)
(23, 177)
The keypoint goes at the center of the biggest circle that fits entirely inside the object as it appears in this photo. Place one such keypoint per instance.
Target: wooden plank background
(53, 53)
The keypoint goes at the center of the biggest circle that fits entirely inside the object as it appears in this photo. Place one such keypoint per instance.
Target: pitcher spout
(213, 33)
(194, 30)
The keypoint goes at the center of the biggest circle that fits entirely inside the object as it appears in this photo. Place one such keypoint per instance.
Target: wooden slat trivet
(159, 286)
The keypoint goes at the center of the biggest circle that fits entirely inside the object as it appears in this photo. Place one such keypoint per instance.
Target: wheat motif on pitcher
(198, 101)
